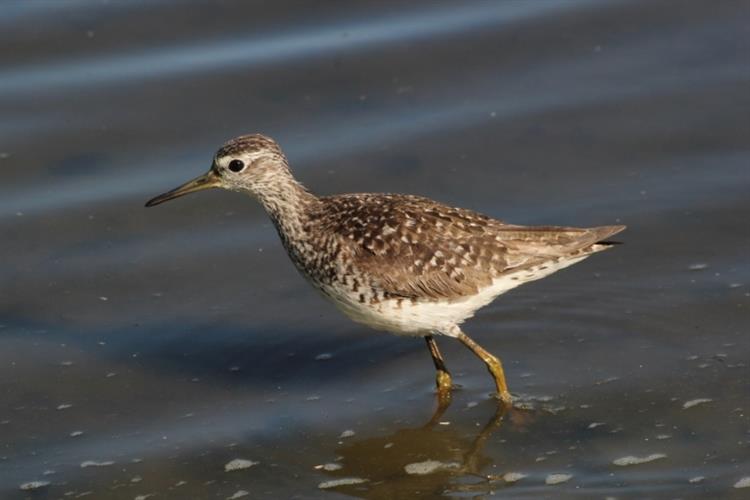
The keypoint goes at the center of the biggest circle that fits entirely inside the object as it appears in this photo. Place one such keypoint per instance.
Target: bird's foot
(505, 398)
(443, 381)
(444, 385)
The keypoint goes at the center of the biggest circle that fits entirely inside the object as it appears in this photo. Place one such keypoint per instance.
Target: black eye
(236, 165)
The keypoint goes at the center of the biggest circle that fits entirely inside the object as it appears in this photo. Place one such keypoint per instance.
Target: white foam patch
(558, 478)
(239, 464)
(94, 463)
(344, 481)
(512, 477)
(743, 483)
(330, 467)
(695, 402)
(33, 485)
(429, 467)
(631, 460)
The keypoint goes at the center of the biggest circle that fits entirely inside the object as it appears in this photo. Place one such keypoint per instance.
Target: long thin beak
(206, 181)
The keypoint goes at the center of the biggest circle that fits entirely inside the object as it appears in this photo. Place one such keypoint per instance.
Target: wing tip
(604, 232)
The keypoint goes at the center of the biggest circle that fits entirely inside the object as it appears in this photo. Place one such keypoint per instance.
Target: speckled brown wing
(416, 248)
(408, 246)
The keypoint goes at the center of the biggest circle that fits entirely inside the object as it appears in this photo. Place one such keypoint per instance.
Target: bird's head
(251, 163)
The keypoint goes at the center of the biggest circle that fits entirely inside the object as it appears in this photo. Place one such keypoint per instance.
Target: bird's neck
(289, 204)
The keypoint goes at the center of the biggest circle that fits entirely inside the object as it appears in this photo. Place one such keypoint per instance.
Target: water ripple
(273, 49)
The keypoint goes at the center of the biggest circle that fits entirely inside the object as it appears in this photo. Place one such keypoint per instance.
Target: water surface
(144, 350)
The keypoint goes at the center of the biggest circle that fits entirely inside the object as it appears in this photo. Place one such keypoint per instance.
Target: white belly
(425, 317)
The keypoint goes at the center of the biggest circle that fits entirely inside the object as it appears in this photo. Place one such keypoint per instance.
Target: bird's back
(411, 247)
(410, 265)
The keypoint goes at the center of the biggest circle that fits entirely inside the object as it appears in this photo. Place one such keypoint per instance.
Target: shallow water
(143, 350)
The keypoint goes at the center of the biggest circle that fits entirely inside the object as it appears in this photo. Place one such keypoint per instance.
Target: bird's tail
(602, 237)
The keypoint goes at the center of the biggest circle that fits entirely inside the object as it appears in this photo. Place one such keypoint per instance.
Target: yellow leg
(494, 366)
(443, 378)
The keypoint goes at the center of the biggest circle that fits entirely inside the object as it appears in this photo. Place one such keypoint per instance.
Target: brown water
(143, 350)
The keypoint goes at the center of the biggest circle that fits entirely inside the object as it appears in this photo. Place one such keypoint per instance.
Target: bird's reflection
(422, 462)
